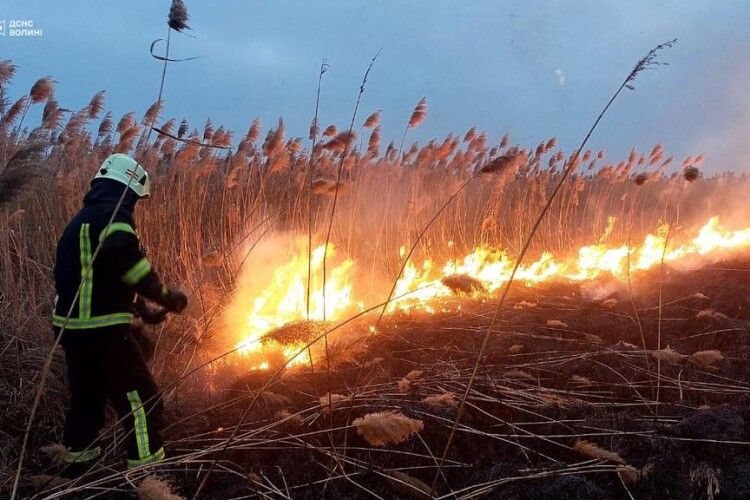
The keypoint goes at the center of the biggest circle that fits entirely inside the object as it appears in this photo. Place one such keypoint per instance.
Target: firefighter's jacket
(119, 271)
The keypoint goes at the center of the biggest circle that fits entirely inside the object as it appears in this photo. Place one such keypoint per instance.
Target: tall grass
(207, 202)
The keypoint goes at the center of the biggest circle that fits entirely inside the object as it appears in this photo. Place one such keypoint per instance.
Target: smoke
(727, 122)
(270, 302)
(255, 274)
(602, 289)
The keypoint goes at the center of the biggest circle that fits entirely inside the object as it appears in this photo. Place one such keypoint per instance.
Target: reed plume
(75, 126)
(168, 126)
(463, 283)
(182, 130)
(274, 139)
(508, 164)
(340, 143)
(419, 115)
(444, 400)
(470, 134)
(127, 138)
(706, 359)
(373, 120)
(330, 131)
(384, 428)
(666, 354)
(14, 111)
(7, 71)
(403, 386)
(96, 105)
(322, 185)
(253, 133)
(373, 144)
(152, 113)
(105, 127)
(519, 374)
(42, 90)
(208, 131)
(155, 488)
(20, 170)
(126, 123)
(178, 16)
(593, 450)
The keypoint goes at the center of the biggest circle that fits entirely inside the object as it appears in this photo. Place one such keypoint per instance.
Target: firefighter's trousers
(105, 365)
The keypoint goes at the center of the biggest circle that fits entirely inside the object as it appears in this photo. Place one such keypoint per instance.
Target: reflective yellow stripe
(139, 425)
(137, 272)
(93, 322)
(157, 456)
(82, 456)
(114, 227)
(87, 273)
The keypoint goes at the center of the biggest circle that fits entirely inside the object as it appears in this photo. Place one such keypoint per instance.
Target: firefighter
(104, 362)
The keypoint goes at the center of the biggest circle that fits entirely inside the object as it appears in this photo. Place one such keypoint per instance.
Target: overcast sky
(530, 68)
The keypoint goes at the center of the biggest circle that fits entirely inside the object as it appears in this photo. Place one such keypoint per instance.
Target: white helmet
(122, 168)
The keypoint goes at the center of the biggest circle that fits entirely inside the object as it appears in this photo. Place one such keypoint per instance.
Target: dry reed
(384, 428)
(593, 450)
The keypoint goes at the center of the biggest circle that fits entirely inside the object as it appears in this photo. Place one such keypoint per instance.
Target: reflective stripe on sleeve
(136, 273)
(114, 227)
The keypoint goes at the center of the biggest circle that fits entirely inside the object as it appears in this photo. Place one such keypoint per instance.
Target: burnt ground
(560, 368)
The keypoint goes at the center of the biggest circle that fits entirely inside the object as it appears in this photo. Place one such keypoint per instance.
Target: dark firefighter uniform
(103, 359)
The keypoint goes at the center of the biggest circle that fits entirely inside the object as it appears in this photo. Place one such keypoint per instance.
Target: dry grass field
(617, 367)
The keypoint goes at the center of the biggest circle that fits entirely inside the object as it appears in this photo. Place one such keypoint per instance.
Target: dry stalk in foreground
(646, 62)
(314, 129)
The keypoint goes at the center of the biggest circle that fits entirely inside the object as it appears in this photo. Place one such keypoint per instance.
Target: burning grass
(561, 406)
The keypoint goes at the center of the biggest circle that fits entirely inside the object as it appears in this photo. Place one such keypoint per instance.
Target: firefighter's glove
(174, 300)
(153, 316)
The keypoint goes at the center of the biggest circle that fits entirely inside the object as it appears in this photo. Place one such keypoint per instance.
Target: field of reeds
(565, 403)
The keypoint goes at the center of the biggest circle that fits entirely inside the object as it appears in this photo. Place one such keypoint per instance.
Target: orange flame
(421, 284)
(285, 300)
(493, 267)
